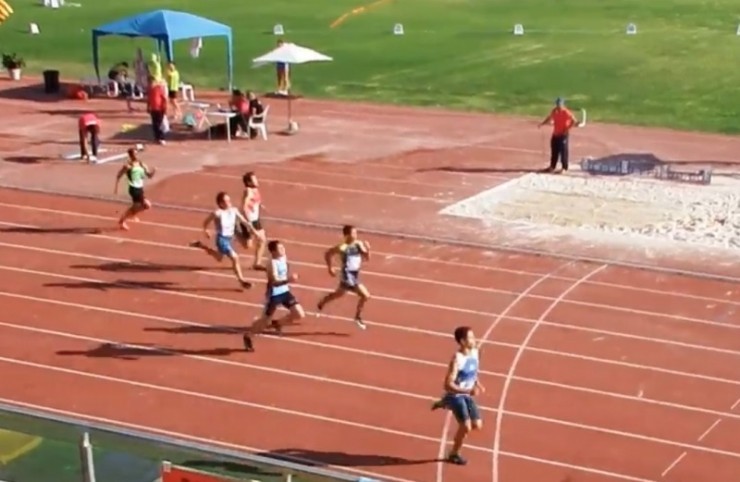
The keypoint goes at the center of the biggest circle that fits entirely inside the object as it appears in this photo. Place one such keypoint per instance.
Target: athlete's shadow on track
(134, 285)
(143, 267)
(341, 459)
(123, 351)
(24, 230)
(233, 330)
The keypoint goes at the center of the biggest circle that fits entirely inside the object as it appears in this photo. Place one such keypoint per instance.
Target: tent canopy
(166, 27)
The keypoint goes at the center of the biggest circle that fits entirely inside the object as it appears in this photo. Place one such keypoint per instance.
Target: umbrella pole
(292, 129)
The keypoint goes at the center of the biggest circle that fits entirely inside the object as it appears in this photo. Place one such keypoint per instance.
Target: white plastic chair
(111, 88)
(187, 92)
(259, 122)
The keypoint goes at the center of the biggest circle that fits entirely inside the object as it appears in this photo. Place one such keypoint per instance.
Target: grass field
(680, 70)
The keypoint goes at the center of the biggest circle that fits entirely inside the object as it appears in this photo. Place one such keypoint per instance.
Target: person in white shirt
(224, 218)
(460, 386)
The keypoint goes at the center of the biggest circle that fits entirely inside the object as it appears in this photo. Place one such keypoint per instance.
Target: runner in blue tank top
(352, 252)
(224, 218)
(461, 385)
(278, 294)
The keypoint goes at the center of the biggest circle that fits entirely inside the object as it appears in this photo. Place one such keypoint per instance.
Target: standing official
(157, 107)
(562, 121)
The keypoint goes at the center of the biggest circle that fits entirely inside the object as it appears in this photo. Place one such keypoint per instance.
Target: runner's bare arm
(207, 222)
(272, 277)
(479, 388)
(365, 249)
(149, 171)
(121, 173)
(292, 277)
(450, 385)
(245, 200)
(329, 256)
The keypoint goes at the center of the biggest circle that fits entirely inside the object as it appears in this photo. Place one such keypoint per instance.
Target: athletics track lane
(509, 440)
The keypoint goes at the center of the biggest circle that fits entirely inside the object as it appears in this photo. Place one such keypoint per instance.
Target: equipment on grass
(519, 29)
(583, 118)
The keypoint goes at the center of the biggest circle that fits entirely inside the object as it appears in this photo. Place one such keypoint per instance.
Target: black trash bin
(51, 81)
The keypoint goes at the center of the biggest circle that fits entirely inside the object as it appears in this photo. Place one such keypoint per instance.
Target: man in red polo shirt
(157, 107)
(562, 121)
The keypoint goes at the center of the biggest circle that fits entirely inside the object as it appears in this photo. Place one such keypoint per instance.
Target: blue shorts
(286, 300)
(223, 245)
(350, 280)
(462, 406)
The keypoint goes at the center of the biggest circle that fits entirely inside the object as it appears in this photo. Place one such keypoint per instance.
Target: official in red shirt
(562, 121)
(157, 107)
(88, 127)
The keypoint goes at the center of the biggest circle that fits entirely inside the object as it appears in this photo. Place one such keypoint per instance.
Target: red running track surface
(594, 372)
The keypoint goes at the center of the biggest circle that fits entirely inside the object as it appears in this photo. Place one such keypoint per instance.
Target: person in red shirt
(562, 121)
(88, 127)
(240, 106)
(157, 108)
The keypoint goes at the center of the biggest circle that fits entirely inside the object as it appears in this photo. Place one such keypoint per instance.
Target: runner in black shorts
(253, 233)
(352, 253)
(136, 172)
(278, 294)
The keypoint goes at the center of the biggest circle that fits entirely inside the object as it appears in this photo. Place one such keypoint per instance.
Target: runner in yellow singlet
(136, 172)
(352, 252)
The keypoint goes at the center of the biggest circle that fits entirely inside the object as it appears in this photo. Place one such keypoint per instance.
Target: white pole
(86, 455)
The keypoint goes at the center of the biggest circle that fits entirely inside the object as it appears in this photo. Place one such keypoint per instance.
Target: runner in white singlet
(461, 385)
(252, 232)
(225, 219)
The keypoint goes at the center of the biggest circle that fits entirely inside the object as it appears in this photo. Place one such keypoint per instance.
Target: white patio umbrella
(289, 53)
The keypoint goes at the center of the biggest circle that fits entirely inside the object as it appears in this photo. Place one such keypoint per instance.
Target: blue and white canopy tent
(166, 27)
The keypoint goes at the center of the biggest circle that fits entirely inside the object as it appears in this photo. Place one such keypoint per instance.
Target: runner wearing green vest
(136, 173)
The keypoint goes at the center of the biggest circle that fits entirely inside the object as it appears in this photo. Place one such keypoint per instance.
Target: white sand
(634, 208)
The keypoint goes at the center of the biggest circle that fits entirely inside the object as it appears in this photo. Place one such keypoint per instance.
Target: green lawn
(680, 70)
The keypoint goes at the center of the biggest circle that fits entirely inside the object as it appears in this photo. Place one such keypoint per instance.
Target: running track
(595, 373)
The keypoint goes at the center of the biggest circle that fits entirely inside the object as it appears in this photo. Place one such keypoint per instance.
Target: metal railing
(93, 438)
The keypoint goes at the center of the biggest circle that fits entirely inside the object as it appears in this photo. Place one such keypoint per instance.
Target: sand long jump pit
(628, 209)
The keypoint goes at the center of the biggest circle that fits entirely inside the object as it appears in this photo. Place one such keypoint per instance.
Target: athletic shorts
(172, 95)
(350, 280)
(244, 231)
(137, 194)
(286, 300)
(223, 245)
(463, 407)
